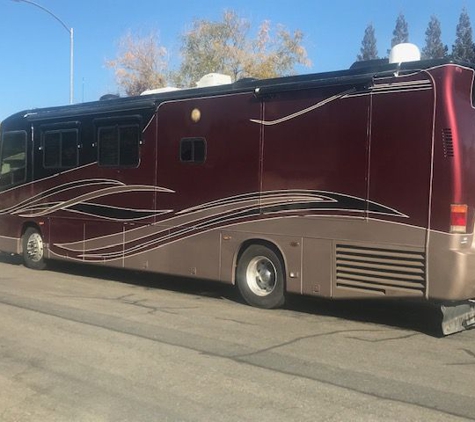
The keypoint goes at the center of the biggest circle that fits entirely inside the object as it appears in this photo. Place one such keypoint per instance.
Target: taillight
(458, 218)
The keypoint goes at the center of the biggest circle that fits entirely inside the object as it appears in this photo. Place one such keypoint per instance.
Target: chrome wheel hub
(34, 247)
(261, 276)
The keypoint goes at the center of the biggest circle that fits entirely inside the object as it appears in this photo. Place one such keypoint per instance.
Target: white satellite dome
(405, 52)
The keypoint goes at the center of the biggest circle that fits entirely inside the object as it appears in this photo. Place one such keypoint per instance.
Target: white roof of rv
(405, 52)
(160, 90)
(212, 79)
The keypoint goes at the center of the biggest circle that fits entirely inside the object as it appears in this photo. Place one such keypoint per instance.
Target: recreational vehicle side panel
(15, 178)
(381, 261)
(454, 146)
(401, 150)
(208, 158)
(451, 243)
(108, 194)
(315, 153)
(316, 140)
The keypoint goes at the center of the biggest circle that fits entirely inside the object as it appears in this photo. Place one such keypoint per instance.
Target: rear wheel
(260, 277)
(33, 249)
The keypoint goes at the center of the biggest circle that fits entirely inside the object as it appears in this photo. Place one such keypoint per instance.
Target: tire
(33, 249)
(260, 277)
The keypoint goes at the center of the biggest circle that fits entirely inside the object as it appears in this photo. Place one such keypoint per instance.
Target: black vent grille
(448, 142)
(383, 271)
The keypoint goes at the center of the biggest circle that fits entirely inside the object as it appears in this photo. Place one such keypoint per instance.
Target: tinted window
(193, 150)
(69, 149)
(129, 145)
(119, 145)
(108, 146)
(60, 148)
(13, 158)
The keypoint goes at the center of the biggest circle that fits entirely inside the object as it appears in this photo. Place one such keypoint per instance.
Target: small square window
(193, 150)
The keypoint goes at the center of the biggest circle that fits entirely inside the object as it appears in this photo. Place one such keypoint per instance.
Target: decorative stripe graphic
(114, 213)
(299, 113)
(217, 214)
(96, 189)
(377, 88)
(275, 201)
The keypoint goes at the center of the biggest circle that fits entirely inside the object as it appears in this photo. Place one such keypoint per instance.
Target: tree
(401, 31)
(225, 46)
(434, 48)
(140, 64)
(464, 48)
(368, 49)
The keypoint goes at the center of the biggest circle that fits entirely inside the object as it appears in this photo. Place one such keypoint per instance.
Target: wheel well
(32, 225)
(261, 242)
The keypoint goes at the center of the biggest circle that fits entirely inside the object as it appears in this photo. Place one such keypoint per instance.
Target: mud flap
(458, 316)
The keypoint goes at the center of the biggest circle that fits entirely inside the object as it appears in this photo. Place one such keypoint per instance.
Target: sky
(35, 48)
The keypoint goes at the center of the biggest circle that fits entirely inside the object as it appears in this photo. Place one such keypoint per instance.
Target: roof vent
(405, 52)
(212, 79)
(107, 97)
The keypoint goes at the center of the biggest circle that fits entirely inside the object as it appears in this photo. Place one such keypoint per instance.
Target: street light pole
(71, 44)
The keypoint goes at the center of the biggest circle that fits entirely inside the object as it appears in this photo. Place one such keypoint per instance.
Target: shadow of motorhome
(420, 316)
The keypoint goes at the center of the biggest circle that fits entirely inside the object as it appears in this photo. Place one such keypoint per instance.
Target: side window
(193, 150)
(60, 148)
(118, 145)
(108, 141)
(13, 158)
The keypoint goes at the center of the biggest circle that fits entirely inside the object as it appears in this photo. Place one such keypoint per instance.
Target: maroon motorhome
(349, 184)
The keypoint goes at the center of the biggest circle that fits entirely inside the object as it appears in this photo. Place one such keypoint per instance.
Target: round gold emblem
(195, 115)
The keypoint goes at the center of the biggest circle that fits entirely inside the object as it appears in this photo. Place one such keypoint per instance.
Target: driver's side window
(13, 158)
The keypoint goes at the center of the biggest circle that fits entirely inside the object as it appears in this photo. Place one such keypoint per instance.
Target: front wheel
(260, 277)
(33, 249)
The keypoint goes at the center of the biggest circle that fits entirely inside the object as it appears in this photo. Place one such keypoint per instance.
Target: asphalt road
(81, 343)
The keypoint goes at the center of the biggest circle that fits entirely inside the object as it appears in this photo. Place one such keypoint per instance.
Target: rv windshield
(13, 159)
